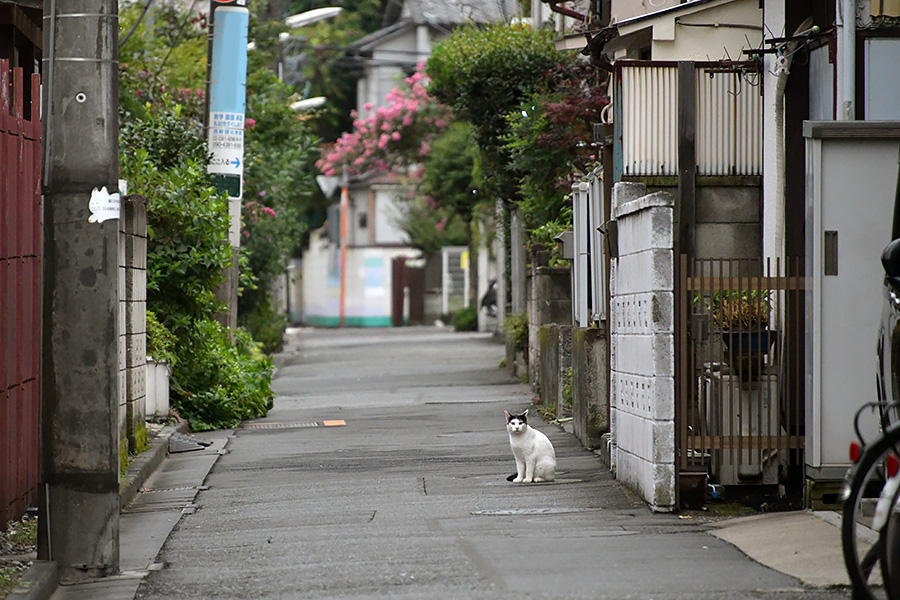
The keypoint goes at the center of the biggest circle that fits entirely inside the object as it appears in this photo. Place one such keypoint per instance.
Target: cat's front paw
(527, 480)
(517, 480)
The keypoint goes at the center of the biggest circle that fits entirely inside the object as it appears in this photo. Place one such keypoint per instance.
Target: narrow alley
(381, 473)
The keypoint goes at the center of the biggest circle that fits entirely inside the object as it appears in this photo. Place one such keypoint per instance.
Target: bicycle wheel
(861, 544)
(888, 518)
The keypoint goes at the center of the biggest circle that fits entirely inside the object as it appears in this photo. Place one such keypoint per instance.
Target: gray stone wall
(590, 385)
(547, 362)
(728, 222)
(549, 303)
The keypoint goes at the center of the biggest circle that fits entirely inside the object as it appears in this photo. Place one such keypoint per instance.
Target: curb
(144, 464)
(38, 583)
(42, 578)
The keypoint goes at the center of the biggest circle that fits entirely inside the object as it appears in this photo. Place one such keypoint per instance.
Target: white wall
(626, 9)
(387, 212)
(368, 284)
(642, 345)
(381, 79)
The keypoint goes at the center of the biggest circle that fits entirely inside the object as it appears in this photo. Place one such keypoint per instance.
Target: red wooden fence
(20, 291)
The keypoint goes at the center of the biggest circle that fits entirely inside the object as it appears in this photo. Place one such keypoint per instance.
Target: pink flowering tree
(391, 137)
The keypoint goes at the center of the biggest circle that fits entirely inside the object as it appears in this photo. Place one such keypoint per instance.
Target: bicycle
(887, 521)
(870, 487)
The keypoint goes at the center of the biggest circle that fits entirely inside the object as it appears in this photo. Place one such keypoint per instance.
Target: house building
(351, 281)
(738, 132)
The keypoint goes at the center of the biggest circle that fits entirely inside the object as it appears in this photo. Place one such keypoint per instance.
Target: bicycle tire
(864, 476)
(889, 546)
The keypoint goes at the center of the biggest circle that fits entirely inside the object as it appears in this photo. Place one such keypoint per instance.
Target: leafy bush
(515, 326)
(390, 137)
(187, 226)
(546, 233)
(161, 344)
(266, 325)
(281, 198)
(483, 74)
(214, 383)
(217, 383)
(550, 137)
(465, 319)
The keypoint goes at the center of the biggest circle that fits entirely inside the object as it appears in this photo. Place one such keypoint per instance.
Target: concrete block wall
(642, 344)
(132, 323)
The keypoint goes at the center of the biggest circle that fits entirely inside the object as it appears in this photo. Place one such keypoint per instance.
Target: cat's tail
(511, 477)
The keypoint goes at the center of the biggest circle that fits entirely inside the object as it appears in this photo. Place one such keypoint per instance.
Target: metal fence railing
(741, 394)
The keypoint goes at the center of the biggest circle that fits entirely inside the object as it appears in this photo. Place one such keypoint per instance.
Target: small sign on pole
(227, 96)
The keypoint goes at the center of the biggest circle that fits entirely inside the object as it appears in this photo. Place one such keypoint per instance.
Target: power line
(136, 24)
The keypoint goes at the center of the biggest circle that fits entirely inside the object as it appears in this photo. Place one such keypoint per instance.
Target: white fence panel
(728, 128)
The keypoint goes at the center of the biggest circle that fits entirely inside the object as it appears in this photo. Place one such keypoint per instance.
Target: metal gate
(20, 291)
(740, 410)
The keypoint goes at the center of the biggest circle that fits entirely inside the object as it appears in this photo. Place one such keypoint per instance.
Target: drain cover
(180, 442)
(504, 512)
(279, 425)
(332, 423)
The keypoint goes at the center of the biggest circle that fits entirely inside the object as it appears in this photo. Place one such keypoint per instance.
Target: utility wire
(136, 24)
(187, 18)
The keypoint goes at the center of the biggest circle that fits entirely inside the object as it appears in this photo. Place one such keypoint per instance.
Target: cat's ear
(525, 414)
(508, 417)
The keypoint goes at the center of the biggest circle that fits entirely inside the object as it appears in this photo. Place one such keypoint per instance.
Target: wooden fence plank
(20, 297)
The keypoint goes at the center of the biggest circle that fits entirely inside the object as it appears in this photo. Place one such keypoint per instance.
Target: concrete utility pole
(225, 105)
(79, 503)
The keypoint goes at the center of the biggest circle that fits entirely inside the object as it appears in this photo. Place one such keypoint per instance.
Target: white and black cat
(535, 458)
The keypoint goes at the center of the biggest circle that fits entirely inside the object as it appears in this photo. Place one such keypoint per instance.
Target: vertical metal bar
(705, 400)
(784, 367)
(796, 267)
(683, 399)
(687, 158)
(798, 382)
(767, 431)
(723, 379)
(740, 358)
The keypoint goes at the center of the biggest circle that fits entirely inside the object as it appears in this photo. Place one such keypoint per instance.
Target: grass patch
(19, 538)
(548, 411)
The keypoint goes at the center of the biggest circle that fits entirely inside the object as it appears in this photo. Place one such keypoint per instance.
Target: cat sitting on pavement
(535, 458)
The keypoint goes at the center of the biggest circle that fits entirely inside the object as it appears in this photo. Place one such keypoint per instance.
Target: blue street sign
(227, 96)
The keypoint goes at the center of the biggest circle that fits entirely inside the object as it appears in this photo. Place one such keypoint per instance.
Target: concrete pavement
(381, 473)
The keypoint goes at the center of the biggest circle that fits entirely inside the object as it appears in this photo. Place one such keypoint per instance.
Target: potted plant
(743, 318)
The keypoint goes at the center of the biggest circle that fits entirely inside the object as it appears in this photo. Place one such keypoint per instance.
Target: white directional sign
(226, 143)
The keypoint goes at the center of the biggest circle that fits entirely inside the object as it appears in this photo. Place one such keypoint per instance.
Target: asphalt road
(408, 498)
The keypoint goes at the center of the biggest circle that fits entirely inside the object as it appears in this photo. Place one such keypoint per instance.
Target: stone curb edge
(42, 578)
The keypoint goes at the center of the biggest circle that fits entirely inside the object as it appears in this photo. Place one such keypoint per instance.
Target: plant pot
(745, 350)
